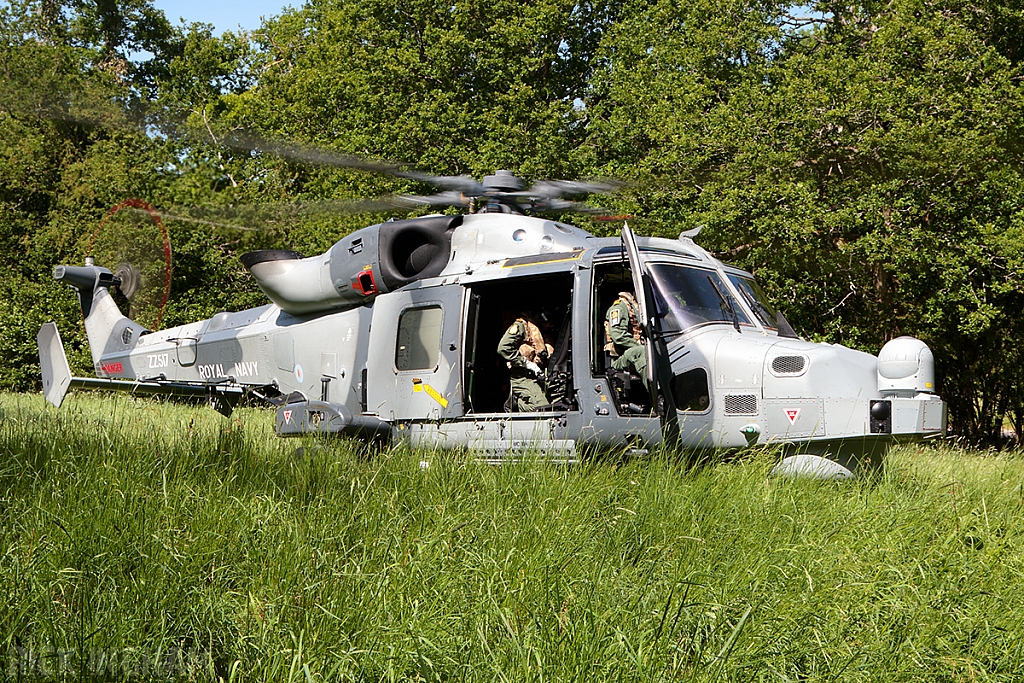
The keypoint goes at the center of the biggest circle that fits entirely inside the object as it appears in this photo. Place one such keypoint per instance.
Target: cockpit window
(756, 299)
(686, 297)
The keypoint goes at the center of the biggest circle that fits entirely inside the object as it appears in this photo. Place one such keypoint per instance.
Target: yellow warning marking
(419, 386)
(432, 392)
(543, 260)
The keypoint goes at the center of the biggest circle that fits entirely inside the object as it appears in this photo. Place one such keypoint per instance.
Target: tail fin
(108, 329)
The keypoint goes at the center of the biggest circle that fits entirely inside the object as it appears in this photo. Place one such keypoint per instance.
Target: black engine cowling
(371, 261)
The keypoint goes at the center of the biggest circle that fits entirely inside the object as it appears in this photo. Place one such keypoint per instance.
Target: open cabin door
(413, 367)
(659, 368)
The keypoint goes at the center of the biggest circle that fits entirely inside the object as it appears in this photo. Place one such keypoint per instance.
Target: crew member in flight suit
(525, 352)
(622, 334)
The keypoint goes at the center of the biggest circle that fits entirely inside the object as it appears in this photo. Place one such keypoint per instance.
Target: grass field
(141, 540)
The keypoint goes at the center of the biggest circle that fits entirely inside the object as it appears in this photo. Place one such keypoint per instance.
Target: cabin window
(419, 338)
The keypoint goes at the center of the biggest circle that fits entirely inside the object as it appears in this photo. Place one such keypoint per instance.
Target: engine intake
(371, 261)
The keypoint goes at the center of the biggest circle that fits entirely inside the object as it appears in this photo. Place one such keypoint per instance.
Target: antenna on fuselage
(690, 234)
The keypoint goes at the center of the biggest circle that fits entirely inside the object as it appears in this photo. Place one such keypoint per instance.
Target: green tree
(865, 166)
(463, 88)
(77, 137)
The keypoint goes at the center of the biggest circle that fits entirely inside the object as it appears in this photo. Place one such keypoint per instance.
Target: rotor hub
(503, 181)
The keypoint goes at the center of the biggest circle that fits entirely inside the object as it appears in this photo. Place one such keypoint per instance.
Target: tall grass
(133, 533)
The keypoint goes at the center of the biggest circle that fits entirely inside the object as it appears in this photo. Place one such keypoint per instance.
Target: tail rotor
(132, 241)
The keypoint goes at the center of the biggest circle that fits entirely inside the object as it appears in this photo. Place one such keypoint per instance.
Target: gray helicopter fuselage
(419, 357)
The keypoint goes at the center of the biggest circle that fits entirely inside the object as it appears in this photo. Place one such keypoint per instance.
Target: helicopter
(391, 334)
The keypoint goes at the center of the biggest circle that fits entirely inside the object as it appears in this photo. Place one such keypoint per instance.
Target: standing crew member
(525, 352)
(622, 334)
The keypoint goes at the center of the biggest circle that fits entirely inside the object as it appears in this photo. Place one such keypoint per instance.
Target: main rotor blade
(293, 151)
(567, 189)
(255, 217)
(542, 196)
(191, 219)
(565, 205)
(533, 205)
(441, 199)
(244, 140)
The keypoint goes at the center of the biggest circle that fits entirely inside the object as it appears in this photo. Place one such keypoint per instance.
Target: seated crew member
(525, 352)
(624, 340)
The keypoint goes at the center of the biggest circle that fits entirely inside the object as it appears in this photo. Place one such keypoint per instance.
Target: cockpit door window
(659, 367)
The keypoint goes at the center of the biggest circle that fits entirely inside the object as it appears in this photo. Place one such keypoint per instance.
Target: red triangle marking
(792, 414)
(287, 416)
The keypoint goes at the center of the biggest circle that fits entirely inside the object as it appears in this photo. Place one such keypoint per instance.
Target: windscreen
(756, 299)
(686, 297)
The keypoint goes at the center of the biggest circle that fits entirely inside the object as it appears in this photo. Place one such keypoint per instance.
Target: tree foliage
(863, 160)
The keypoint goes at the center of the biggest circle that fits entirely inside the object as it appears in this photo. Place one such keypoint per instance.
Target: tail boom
(58, 380)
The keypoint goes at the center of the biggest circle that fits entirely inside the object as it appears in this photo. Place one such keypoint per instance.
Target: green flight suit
(632, 355)
(527, 391)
